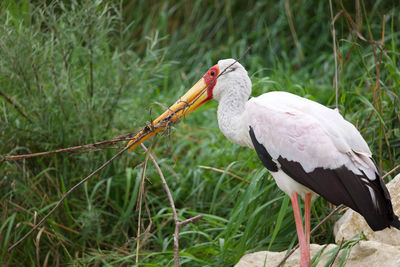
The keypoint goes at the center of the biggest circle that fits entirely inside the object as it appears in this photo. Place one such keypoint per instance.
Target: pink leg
(304, 250)
(307, 217)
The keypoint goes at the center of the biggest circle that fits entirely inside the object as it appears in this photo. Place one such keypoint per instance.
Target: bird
(308, 148)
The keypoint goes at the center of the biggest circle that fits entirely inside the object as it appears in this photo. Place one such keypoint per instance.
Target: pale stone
(365, 253)
(351, 223)
(274, 258)
(373, 253)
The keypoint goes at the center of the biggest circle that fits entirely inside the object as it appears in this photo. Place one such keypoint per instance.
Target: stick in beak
(199, 94)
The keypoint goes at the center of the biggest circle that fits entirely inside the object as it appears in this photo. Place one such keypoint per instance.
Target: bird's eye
(212, 73)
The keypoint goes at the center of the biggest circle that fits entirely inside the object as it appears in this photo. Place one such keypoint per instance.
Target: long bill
(193, 98)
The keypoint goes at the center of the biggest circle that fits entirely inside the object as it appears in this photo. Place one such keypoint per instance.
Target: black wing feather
(339, 186)
(342, 186)
(263, 154)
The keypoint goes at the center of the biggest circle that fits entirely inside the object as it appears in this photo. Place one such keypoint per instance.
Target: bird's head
(233, 79)
(228, 76)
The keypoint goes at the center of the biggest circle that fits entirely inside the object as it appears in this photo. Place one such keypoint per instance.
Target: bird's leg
(304, 250)
(307, 217)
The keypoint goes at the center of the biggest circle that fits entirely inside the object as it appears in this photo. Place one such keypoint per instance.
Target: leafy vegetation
(77, 72)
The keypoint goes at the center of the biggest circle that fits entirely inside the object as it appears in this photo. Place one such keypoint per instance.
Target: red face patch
(210, 79)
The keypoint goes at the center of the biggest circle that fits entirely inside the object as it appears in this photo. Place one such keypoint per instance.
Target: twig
(178, 224)
(224, 171)
(337, 253)
(326, 218)
(190, 220)
(392, 171)
(91, 147)
(139, 204)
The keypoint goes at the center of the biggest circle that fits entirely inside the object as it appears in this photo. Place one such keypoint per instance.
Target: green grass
(77, 72)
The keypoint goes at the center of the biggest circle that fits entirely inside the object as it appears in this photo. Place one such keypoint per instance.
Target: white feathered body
(304, 131)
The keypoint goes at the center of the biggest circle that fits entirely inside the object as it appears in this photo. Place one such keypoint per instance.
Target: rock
(365, 253)
(257, 259)
(373, 253)
(352, 223)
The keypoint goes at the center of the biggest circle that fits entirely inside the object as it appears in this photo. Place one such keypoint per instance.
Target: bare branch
(337, 252)
(91, 147)
(139, 204)
(224, 171)
(178, 224)
(392, 171)
(193, 219)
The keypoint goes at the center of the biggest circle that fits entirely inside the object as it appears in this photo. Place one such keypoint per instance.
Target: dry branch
(178, 224)
(139, 204)
(90, 147)
(224, 171)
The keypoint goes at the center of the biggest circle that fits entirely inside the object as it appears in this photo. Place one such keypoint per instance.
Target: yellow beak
(193, 98)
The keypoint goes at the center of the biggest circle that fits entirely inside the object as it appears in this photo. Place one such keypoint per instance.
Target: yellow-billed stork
(308, 148)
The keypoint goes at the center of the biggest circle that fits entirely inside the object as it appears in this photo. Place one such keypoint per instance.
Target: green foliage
(77, 72)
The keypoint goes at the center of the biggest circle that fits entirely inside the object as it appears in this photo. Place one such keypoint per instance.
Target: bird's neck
(231, 119)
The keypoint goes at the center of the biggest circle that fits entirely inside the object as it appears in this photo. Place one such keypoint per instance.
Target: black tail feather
(342, 186)
(396, 223)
